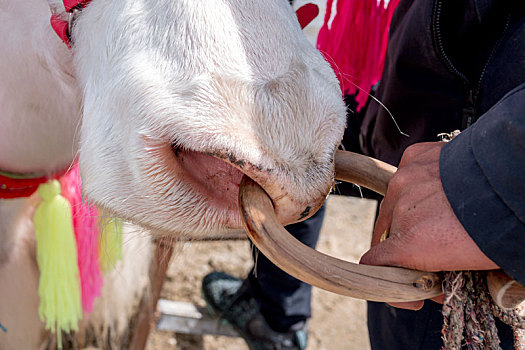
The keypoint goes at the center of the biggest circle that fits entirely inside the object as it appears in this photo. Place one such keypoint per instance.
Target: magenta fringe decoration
(86, 233)
(355, 43)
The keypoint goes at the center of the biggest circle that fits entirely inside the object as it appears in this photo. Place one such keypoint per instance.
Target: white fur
(39, 131)
(40, 104)
(225, 77)
(219, 76)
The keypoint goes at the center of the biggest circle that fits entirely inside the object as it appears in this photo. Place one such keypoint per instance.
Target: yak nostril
(305, 213)
(176, 150)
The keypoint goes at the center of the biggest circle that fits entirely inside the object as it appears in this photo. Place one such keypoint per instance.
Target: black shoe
(229, 298)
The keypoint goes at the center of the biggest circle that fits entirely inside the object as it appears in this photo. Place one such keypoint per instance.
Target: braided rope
(468, 314)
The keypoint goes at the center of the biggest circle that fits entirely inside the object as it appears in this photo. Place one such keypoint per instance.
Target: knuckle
(410, 152)
(399, 181)
(413, 151)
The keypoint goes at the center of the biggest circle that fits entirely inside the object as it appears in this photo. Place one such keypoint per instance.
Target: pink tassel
(355, 43)
(86, 232)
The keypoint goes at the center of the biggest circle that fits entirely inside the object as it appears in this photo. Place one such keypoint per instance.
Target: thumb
(384, 254)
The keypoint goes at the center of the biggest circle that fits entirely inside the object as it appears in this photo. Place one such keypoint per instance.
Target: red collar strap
(20, 186)
(305, 14)
(63, 26)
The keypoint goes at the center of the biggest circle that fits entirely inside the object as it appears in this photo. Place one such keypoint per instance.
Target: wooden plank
(187, 318)
(157, 274)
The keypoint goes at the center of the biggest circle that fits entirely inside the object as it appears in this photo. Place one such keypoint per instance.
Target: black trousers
(283, 299)
(391, 328)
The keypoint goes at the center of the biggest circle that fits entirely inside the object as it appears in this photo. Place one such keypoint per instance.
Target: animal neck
(10, 219)
(39, 97)
(39, 106)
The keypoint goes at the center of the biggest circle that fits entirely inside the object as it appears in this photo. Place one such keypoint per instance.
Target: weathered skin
(168, 103)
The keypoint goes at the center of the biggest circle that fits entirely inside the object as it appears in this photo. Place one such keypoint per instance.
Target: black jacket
(450, 63)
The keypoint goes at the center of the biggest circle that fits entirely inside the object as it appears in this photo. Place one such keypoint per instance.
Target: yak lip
(215, 179)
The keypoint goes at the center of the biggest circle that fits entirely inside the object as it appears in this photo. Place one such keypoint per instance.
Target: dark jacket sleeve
(483, 175)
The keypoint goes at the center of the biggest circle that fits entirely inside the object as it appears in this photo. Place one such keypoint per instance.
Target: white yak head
(183, 97)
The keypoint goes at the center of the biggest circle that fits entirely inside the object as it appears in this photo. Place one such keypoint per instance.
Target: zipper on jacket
(469, 111)
(491, 55)
(472, 92)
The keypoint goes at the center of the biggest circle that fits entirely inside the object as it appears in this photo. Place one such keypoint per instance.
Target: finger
(386, 208)
(439, 299)
(411, 305)
(425, 150)
(382, 226)
(383, 254)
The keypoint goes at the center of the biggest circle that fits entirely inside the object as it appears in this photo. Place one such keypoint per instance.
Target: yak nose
(290, 200)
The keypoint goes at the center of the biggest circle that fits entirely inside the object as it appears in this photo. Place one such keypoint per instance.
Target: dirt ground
(338, 322)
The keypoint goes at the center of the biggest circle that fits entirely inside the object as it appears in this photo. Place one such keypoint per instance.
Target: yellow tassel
(59, 288)
(110, 243)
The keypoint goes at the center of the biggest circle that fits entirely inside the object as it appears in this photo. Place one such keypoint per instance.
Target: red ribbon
(306, 14)
(60, 25)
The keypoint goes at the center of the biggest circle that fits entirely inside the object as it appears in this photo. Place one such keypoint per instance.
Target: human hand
(424, 232)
